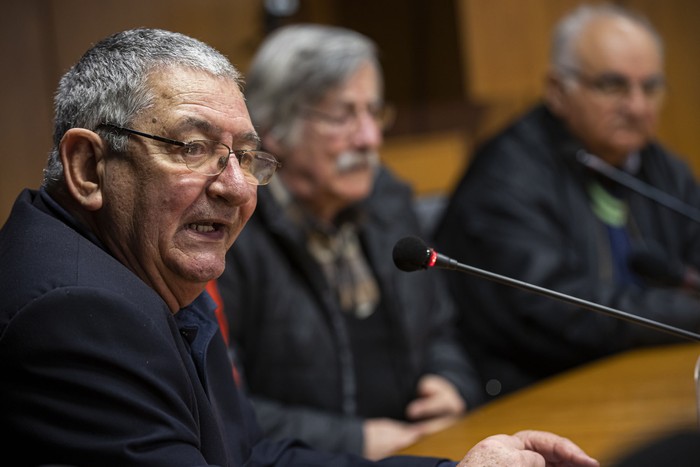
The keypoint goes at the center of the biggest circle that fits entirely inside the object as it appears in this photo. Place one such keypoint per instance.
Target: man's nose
(233, 184)
(368, 131)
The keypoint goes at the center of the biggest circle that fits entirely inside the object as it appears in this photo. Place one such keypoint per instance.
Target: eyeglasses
(211, 157)
(617, 86)
(348, 120)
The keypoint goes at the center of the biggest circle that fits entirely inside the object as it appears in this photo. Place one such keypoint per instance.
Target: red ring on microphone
(433, 258)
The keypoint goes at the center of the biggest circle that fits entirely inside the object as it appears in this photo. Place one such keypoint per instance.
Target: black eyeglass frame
(272, 163)
(613, 84)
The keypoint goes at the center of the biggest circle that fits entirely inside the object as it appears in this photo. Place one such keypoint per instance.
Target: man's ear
(82, 153)
(554, 93)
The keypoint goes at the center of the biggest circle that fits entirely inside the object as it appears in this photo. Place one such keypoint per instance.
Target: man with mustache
(339, 347)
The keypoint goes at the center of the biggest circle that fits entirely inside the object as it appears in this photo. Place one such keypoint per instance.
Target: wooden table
(608, 407)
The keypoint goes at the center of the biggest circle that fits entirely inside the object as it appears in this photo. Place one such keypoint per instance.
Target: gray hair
(295, 67)
(109, 83)
(563, 57)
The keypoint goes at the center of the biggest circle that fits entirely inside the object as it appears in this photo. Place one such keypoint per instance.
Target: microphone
(598, 165)
(653, 264)
(412, 254)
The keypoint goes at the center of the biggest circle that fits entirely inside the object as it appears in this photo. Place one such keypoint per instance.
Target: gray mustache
(353, 159)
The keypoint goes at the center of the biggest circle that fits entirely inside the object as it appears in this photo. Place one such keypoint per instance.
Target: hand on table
(437, 397)
(528, 448)
(384, 436)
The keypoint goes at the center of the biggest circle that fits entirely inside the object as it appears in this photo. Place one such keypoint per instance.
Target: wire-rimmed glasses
(348, 120)
(617, 86)
(210, 157)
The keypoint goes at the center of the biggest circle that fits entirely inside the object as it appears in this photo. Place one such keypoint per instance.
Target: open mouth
(207, 227)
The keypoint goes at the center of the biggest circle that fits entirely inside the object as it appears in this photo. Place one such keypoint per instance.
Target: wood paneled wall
(458, 69)
(41, 39)
(505, 51)
(504, 48)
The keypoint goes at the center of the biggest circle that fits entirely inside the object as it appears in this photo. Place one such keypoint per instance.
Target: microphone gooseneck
(621, 177)
(412, 254)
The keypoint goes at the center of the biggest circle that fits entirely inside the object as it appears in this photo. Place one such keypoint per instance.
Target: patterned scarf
(338, 251)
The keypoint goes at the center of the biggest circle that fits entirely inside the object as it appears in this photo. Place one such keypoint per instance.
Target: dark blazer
(97, 371)
(522, 210)
(294, 343)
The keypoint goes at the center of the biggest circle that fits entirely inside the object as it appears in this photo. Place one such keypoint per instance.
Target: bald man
(528, 209)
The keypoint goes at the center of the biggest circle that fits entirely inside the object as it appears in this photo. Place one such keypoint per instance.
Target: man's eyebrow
(197, 123)
(250, 137)
(611, 75)
(656, 78)
(618, 75)
(207, 127)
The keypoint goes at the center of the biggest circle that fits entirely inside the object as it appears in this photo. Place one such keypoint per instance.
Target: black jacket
(292, 340)
(96, 370)
(522, 211)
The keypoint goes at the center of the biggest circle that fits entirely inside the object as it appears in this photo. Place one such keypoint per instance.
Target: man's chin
(355, 192)
(617, 153)
(630, 141)
(203, 268)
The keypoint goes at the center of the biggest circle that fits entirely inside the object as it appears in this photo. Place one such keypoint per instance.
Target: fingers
(527, 449)
(555, 449)
(383, 436)
(436, 397)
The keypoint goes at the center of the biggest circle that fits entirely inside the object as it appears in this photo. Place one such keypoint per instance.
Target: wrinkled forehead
(169, 80)
(193, 91)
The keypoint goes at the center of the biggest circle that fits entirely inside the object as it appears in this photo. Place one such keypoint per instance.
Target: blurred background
(456, 70)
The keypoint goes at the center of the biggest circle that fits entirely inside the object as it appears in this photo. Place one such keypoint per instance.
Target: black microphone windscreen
(411, 254)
